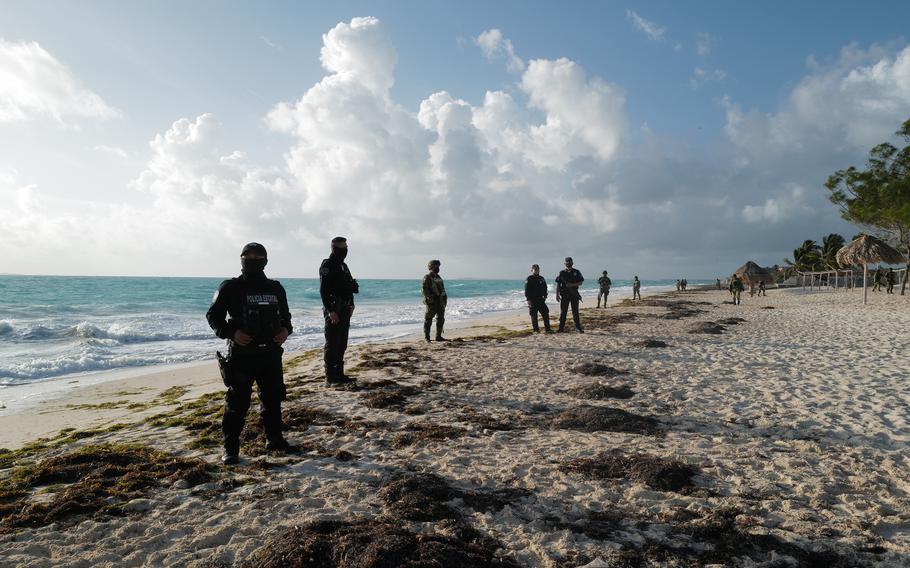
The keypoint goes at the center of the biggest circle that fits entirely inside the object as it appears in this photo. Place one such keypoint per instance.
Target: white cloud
(850, 105)
(650, 29)
(271, 43)
(33, 83)
(785, 205)
(538, 170)
(701, 76)
(494, 46)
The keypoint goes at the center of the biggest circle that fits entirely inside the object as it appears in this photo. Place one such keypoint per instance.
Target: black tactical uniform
(569, 296)
(337, 288)
(259, 307)
(536, 294)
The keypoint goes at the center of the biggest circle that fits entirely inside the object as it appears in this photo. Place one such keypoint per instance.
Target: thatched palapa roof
(868, 249)
(753, 273)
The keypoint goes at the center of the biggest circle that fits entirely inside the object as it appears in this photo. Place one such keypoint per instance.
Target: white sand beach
(780, 440)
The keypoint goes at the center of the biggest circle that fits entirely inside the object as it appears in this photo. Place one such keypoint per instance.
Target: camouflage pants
(437, 310)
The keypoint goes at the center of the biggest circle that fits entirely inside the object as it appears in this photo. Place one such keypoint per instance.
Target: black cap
(339, 240)
(254, 248)
(568, 259)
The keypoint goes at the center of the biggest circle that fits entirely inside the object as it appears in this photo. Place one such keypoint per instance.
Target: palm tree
(806, 258)
(828, 254)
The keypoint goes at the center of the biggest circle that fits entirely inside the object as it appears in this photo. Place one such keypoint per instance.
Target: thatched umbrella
(865, 249)
(752, 273)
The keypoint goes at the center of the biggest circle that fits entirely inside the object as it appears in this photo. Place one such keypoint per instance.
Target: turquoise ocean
(59, 326)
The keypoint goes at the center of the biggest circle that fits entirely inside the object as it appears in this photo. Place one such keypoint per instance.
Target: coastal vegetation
(878, 197)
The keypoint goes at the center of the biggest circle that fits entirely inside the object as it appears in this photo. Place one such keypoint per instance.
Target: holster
(226, 369)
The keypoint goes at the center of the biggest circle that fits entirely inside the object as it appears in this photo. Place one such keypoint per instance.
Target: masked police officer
(337, 288)
(536, 295)
(567, 283)
(258, 323)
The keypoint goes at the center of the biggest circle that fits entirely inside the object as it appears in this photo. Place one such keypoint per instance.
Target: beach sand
(778, 440)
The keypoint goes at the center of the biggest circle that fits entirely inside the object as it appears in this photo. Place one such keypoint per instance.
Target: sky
(661, 139)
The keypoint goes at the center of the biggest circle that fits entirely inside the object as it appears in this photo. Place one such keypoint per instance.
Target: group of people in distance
(251, 313)
(681, 285)
(886, 278)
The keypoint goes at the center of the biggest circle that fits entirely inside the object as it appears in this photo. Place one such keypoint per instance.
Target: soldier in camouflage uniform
(605, 283)
(434, 298)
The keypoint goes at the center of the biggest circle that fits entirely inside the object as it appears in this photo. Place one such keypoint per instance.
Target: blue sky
(667, 80)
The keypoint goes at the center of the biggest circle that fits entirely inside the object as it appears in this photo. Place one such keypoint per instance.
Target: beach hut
(865, 249)
(752, 273)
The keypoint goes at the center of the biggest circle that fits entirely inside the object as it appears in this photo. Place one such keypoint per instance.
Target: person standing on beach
(636, 288)
(536, 294)
(761, 288)
(434, 298)
(889, 280)
(567, 283)
(336, 288)
(604, 282)
(259, 323)
(737, 287)
(718, 284)
(877, 279)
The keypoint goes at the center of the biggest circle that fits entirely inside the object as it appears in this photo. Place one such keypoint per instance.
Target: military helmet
(433, 263)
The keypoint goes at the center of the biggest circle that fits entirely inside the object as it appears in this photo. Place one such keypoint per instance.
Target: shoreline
(84, 387)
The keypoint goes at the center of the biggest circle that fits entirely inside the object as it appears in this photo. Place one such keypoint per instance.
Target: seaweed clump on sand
(368, 543)
(601, 418)
(97, 480)
(202, 419)
(600, 391)
(708, 327)
(655, 472)
(716, 538)
(418, 497)
(597, 320)
(503, 421)
(364, 543)
(731, 321)
(389, 395)
(597, 369)
(427, 431)
(651, 343)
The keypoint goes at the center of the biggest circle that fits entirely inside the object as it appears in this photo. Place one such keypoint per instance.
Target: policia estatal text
(251, 313)
(337, 288)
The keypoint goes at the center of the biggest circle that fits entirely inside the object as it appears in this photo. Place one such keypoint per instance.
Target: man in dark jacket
(337, 288)
(251, 313)
(435, 300)
(536, 294)
(567, 283)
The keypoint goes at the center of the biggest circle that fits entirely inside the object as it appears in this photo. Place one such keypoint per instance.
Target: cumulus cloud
(779, 208)
(33, 84)
(650, 29)
(531, 173)
(495, 46)
(851, 104)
